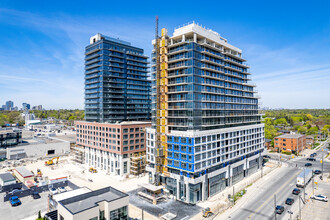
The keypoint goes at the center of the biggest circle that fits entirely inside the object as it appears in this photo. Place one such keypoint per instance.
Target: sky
(42, 43)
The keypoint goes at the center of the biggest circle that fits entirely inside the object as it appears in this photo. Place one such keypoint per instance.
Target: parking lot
(318, 210)
(29, 207)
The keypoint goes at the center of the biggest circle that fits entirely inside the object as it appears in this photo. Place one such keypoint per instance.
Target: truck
(304, 177)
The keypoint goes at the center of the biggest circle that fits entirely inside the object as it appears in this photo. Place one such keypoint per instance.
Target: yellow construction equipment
(207, 212)
(51, 161)
(92, 170)
(39, 173)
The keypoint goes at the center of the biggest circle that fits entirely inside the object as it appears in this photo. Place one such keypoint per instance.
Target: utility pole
(313, 181)
(299, 207)
(275, 205)
(322, 163)
(233, 195)
(304, 183)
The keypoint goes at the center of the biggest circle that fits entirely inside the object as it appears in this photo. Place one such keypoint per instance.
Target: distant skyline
(286, 43)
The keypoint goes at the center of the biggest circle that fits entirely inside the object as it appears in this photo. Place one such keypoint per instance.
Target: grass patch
(239, 194)
(286, 153)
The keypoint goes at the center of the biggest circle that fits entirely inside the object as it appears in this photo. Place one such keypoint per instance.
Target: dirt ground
(79, 174)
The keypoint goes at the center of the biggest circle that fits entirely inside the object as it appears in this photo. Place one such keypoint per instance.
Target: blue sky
(286, 43)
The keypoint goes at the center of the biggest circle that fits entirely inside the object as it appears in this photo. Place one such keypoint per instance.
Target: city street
(260, 205)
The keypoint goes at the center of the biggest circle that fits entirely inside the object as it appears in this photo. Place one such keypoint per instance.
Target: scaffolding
(138, 163)
(78, 153)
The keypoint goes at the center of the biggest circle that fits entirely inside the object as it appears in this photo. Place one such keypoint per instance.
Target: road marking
(271, 197)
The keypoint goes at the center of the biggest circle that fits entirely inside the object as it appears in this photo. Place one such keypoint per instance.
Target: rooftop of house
(290, 136)
(24, 172)
(6, 177)
(89, 200)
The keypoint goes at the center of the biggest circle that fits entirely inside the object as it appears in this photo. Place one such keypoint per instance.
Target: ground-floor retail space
(210, 185)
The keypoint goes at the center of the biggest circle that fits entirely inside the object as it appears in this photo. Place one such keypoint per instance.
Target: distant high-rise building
(26, 106)
(39, 107)
(116, 84)
(206, 131)
(9, 105)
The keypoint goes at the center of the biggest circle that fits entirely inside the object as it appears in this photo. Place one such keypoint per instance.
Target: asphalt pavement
(262, 204)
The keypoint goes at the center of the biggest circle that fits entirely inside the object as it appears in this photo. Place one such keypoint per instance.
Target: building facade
(10, 137)
(117, 149)
(206, 132)
(9, 105)
(293, 143)
(26, 106)
(116, 84)
(105, 203)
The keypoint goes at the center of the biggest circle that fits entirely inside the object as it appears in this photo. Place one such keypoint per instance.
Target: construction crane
(51, 161)
(160, 112)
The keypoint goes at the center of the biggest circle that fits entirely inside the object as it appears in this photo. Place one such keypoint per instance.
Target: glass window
(131, 130)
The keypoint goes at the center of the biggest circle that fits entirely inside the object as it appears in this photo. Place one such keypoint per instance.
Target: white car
(53, 191)
(320, 197)
(61, 189)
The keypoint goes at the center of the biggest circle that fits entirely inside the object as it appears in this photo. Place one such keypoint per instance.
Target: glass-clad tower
(116, 84)
(206, 132)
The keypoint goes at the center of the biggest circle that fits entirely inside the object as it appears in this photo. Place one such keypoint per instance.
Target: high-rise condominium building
(26, 106)
(116, 84)
(9, 105)
(206, 132)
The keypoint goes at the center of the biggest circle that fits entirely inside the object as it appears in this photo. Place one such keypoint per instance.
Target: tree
(281, 121)
(302, 130)
(309, 116)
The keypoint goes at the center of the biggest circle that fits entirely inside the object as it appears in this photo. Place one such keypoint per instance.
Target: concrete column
(171, 41)
(195, 37)
(203, 190)
(177, 189)
(187, 193)
(183, 38)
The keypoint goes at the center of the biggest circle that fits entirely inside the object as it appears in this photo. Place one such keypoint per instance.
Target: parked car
(266, 156)
(296, 191)
(36, 195)
(311, 159)
(14, 201)
(320, 197)
(53, 191)
(317, 171)
(279, 209)
(308, 164)
(289, 201)
(15, 191)
(61, 189)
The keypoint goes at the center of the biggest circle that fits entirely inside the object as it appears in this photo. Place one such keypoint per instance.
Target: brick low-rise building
(294, 143)
(117, 148)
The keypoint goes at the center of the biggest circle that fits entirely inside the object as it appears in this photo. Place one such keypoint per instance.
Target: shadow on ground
(182, 210)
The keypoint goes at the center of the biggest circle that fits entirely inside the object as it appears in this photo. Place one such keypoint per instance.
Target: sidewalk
(220, 203)
(251, 191)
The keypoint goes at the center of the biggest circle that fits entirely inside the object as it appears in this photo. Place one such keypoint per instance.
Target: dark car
(289, 201)
(317, 171)
(279, 209)
(308, 164)
(311, 159)
(312, 155)
(266, 156)
(36, 195)
(296, 191)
